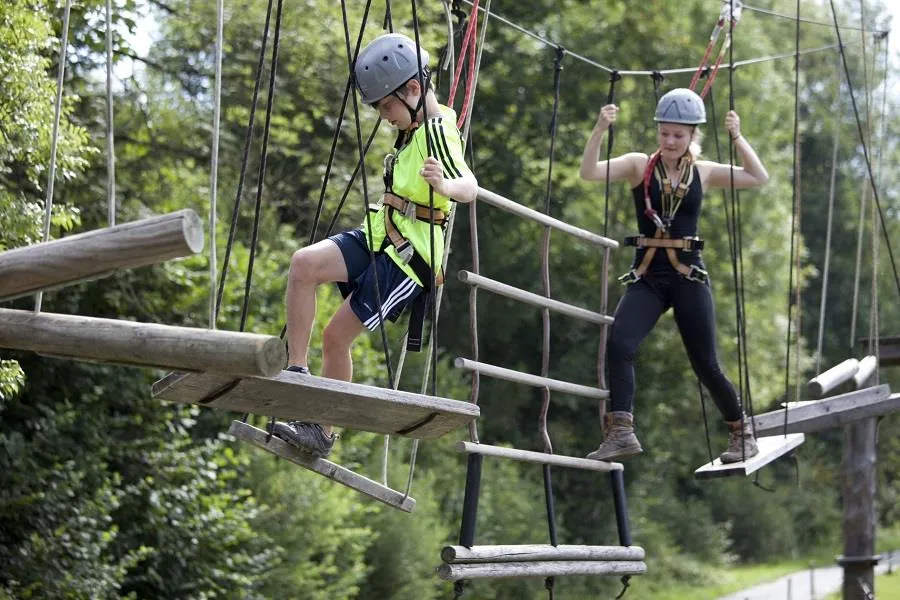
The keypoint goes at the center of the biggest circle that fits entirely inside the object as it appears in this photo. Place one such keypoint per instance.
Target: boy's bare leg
(310, 267)
(337, 340)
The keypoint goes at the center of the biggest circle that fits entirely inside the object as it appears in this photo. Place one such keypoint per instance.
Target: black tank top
(683, 225)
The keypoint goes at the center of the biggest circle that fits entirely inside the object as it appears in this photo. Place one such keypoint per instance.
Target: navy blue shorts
(397, 289)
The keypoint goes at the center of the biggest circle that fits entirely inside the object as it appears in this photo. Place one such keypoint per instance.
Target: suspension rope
(214, 163)
(772, 13)
(248, 136)
(865, 149)
(54, 136)
(110, 124)
(468, 47)
(608, 69)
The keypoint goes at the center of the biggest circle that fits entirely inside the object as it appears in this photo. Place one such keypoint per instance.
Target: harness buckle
(410, 211)
(697, 274)
(405, 252)
(629, 277)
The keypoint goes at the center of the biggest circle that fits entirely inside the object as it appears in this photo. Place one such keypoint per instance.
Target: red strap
(469, 42)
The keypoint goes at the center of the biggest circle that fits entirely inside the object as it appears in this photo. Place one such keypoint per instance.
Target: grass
(886, 586)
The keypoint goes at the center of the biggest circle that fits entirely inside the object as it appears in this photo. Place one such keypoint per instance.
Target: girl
(668, 270)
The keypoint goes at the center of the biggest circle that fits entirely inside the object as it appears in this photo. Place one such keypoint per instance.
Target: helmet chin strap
(414, 112)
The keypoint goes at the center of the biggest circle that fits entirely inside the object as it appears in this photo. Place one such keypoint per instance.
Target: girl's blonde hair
(696, 148)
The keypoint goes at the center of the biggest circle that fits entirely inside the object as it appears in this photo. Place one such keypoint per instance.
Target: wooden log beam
(327, 469)
(556, 385)
(99, 253)
(867, 367)
(550, 568)
(498, 201)
(830, 412)
(823, 383)
(859, 477)
(542, 458)
(141, 344)
(539, 552)
(533, 299)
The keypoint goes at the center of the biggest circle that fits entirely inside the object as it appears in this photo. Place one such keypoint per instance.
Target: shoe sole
(738, 459)
(617, 456)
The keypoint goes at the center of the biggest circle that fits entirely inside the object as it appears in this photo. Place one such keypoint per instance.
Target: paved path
(805, 585)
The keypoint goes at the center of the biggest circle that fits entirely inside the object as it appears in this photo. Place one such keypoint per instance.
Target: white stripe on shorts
(400, 293)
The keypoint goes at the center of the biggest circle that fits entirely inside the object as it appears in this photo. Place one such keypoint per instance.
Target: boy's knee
(304, 267)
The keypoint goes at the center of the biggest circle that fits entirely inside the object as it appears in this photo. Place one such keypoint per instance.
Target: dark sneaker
(298, 369)
(308, 437)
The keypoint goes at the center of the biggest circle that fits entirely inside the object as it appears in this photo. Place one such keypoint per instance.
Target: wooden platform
(829, 412)
(542, 458)
(301, 397)
(337, 473)
(770, 448)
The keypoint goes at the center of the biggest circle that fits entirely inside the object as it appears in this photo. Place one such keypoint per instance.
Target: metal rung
(533, 380)
(517, 209)
(542, 458)
(515, 293)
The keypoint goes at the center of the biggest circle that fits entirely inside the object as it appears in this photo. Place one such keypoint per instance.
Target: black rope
(610, 99)
(244, 158)
(657, 82)
(865, 148)
(260, 183)
(554, 117)
(794, 208)
(626, 583)
(349, 186)
(459, 588)
(549, 584)
(433, 286)
(388, 17)
(351, 63)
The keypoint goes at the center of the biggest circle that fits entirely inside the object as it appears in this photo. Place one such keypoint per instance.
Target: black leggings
(639, 310)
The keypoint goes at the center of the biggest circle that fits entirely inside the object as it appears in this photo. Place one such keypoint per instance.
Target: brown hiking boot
(741, 442)
(620, 440)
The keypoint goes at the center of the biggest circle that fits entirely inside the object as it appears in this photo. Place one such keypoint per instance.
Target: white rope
(110, 143)
(214, 162)
(831, 186)
(51, 177)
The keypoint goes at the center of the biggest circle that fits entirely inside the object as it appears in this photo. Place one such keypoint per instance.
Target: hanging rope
(248, 136)
(795, 210)
(214, 163)
(604, 275)
(829, 226)
(110, 143)
(54, 136)
(468, 47)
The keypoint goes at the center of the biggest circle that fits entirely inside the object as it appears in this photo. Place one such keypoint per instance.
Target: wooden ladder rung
(550, 568)
(542, 458)
(325, 468)
(538, 552)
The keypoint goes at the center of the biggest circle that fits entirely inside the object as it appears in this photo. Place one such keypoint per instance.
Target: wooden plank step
(829, 412)
(770, 448)
(550, 568)
(542, 458)
(99, 253)
(121, 342)
(328, 469)
(538, 552)
(302, 397)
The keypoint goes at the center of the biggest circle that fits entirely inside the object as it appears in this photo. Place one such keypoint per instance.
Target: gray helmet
(681, 105)
(385, 65)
